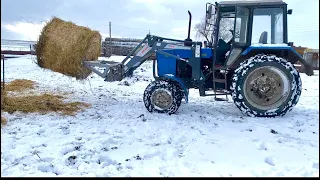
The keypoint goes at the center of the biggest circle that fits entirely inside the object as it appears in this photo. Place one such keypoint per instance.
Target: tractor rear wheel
(162, 97)
(266, 86)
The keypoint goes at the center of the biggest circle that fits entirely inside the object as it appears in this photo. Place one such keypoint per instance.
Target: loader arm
(116, 71)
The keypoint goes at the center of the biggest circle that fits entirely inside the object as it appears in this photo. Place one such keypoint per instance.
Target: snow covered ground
(118, 137)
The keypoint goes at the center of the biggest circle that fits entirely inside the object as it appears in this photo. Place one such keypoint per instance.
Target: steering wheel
(232, 32)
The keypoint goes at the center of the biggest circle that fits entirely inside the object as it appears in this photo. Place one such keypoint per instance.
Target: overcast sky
(24, 19)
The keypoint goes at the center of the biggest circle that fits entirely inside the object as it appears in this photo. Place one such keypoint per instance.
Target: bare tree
(202, 30)
(226, 24)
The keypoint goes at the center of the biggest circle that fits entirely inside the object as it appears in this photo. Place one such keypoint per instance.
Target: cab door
(241, 37)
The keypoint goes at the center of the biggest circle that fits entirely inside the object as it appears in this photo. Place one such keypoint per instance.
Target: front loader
(254, 64)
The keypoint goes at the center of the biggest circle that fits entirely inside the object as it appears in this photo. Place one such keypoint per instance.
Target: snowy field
(16, 45)
(117, 136)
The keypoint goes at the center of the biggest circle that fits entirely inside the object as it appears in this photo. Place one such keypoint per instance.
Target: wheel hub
(266, 87)
(162, 98)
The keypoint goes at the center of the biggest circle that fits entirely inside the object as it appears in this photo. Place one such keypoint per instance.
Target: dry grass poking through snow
(3, 95)
(3, 121)
(19, 85)
(43, 104)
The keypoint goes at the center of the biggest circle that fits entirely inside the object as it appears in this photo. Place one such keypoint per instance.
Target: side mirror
(289, 11)
(209, 12)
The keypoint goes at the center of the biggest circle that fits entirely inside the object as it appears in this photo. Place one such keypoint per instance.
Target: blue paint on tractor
(167, 65)
(289, 48)
(181, 82)
(206, 53)
(245, 52)
(183, 53)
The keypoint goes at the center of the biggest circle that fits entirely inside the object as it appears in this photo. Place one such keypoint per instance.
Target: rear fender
(282, 50)
(178, 81)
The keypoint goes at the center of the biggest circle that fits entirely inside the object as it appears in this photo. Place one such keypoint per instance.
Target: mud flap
(181, 83)
(308, 68)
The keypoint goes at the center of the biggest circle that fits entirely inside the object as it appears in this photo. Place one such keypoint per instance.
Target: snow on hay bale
(62, 46)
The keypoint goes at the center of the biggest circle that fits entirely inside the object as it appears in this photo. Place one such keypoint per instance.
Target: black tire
(168, 86)
(250, 66)
(179, 90)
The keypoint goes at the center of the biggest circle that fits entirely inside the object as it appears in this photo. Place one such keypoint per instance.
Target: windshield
(270, 22)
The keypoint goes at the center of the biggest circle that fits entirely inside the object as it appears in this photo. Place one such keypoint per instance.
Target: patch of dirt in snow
(117, 136)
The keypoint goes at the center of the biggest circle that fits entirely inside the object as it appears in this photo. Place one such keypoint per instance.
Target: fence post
(3, 96)
(2, 58)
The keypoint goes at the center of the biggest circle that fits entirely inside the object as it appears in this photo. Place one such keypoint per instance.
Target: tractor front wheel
(162, 97)
(266, 86)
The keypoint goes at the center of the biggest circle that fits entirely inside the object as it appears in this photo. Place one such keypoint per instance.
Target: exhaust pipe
(188, 41)
(190, 17)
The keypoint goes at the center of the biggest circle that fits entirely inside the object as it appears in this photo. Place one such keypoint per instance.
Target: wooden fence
(120, 46)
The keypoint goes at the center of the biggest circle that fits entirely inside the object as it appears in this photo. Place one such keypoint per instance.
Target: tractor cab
(236, 25)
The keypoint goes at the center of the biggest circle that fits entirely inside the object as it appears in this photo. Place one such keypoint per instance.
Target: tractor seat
(264, 37)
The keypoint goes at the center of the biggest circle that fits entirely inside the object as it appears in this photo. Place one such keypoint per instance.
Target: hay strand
(19, 85)
(3, 96)
(3, 121)
(62, 46)
(43, 104)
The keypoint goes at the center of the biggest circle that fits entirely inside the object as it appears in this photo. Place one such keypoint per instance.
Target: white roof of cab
(251, 2)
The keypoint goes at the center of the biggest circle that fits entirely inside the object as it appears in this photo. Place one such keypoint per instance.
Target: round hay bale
(62, 46)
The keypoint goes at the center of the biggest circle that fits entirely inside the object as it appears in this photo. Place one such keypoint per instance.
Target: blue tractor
(253, 64)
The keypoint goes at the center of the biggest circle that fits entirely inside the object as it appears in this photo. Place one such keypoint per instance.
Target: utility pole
(110, 38)
(3, 83)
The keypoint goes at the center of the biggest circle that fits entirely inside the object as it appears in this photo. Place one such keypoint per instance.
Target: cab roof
(251, 2)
